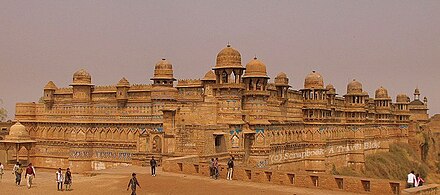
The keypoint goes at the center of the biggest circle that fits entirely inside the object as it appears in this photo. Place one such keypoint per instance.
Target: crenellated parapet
(189, 83)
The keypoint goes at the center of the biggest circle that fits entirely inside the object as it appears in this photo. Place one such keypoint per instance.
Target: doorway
(219, 143)
(248, 142)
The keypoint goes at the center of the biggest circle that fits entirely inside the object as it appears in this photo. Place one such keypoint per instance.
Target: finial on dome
(228, 45)
(164, 59)
(255, 56)
(313, 71)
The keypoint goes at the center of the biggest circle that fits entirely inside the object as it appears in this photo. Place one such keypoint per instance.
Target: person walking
(411, 179)
(15, 167)
(133, 183)
(30, 175)
(211, 168)
(2, 169)
(18, 170)
(153, 165)
(68, 179)
(216, 171)
(419, 181)
(230, 168)
(59, 179)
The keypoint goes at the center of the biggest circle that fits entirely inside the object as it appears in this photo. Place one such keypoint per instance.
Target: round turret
(163, 70)
(381, 93)
(228, 58)
(82, 77)
(255, 68)
(354, 87)
(281, 79)
(314, 80)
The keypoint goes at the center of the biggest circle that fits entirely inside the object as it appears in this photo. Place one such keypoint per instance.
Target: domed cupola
(281, 79)
(163, 74)
(331, 89)
(209, 76)
(163, 70)
(18, 132)
(255, 68)
(82, 77)
(314, 81)
(381, 93)
(402, 98)
(354, 87)
(228, 57)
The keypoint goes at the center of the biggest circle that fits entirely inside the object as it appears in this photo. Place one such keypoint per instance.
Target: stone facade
(232, 110)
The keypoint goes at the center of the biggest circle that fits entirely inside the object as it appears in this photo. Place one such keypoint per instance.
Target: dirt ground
(115, 180)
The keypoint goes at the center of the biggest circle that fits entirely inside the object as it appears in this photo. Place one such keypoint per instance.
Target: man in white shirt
(411, 179)
(59, 179)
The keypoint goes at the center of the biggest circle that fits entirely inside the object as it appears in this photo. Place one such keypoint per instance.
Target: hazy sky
(395, 44)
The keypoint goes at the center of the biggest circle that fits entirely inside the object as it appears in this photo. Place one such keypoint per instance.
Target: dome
(163, 70)
(228, 58)
(255, 68)
(417, 91)
(281, 79)
(331, 89)
(18, 131)
(354, 87)
(209, 76)
(314, 80)
(82, 77)
(50, 85)
(123, 83)
(402, 98)
(381, 93)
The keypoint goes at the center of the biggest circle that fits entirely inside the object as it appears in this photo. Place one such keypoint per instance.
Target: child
(133, 183)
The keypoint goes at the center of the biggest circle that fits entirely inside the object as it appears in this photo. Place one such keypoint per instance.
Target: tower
(163, 74)
(228, 86)
(382, 103)
(122, 92)
(82, 86)
(255, 95)
(48, 97)
(282, 85)
(402, 109)
(314, 98)
(355, 103)
(418, 109)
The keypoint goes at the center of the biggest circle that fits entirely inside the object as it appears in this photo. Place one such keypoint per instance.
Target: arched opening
(224, 77)
(157, 144)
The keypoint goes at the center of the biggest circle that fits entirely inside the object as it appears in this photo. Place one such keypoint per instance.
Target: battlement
(104, 88)
(189, 83)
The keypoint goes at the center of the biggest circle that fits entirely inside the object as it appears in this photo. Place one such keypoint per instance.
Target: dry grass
(395, 164)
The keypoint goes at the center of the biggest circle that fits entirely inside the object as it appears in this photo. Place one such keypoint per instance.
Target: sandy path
(114, 181)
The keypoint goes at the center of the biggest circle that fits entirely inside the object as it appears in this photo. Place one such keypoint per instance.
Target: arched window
(258, 85)
(224, 77)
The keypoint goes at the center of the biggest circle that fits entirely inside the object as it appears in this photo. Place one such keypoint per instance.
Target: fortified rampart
(233, 109)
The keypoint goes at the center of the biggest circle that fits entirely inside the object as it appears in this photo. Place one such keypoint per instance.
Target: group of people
(214, 168)
(29, 174)
(67, 179)
(414, 180)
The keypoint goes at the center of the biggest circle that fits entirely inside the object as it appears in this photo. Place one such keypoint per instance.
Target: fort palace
(233, 110)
